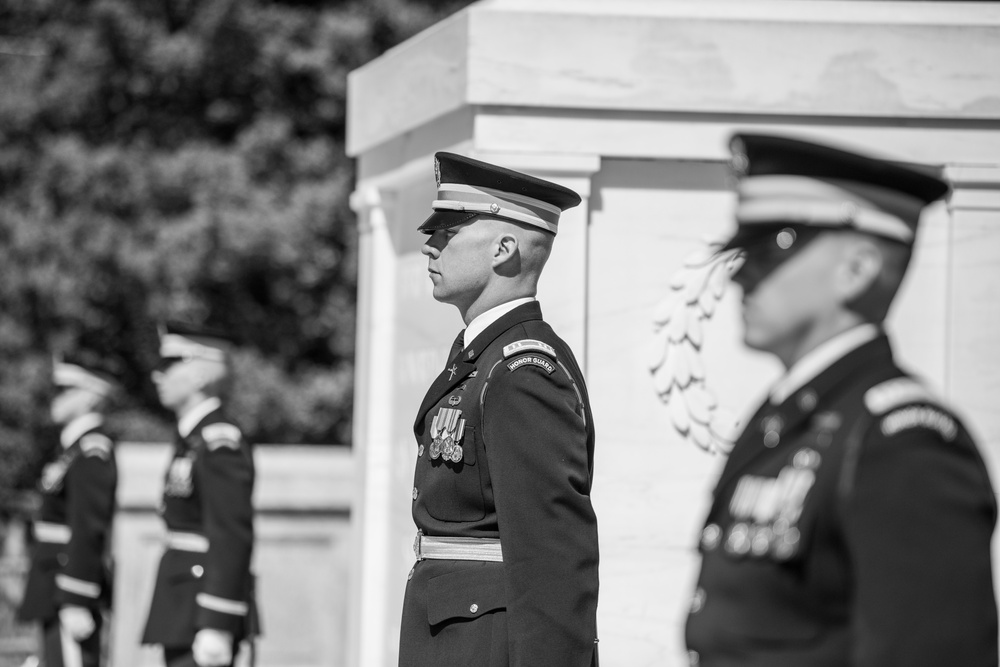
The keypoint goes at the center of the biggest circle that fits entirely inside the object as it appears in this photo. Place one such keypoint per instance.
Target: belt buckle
(416, 545)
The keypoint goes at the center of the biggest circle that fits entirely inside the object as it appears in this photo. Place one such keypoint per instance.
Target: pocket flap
(468, 593)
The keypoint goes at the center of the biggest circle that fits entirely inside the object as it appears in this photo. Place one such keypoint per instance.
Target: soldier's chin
(440, 293)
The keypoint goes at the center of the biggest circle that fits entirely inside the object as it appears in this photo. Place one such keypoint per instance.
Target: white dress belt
(457, 548)
(52, 533)
(187, 542)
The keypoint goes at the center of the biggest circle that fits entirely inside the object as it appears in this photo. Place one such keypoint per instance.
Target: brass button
(420, 450)
(785, 238)
(62, 559)
(473, 607)
(415, 493)
(710, 536)
(197, 571)
(698, 601)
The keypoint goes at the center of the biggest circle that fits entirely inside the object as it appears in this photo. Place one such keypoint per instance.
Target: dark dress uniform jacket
(78, 499)
(207, 492)
(851, 526)
(524, 476)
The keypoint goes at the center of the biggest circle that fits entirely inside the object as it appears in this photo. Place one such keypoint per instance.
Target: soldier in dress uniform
(69, 585)
(203, 599)
(506, 546)
(851, 524)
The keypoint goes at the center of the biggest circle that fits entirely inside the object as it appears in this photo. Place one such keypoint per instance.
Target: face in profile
(178, 379)
(783, 302)
(459, 262)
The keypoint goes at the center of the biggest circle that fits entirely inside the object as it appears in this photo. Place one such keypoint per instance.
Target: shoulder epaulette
(896, 392)
(96, 444)
(221, 435)
(528, 345)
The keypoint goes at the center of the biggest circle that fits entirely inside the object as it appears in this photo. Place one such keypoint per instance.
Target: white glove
(212, 648)
(78, 621)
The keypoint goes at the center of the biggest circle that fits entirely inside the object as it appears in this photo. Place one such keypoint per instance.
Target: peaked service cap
(181, 339)
(787, 184)
(79, 372)
(468, 187)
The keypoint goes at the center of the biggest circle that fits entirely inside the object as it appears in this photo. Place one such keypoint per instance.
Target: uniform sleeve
(90, 491)
(226, 481)
(536, 440)
(918, 525)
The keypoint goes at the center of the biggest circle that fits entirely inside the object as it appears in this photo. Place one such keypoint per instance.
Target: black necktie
(456, 347)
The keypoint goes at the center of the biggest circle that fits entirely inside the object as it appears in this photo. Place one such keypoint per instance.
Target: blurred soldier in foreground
(506, 546)
(69, 584)
(851, 524)
(203, 601)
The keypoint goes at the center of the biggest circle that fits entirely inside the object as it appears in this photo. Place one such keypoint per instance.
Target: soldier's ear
(506, 251)
(862, 265)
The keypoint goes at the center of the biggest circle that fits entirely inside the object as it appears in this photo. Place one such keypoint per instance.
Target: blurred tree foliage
(182, 159)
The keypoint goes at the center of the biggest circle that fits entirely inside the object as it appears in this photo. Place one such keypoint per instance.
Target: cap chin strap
(510, 205)
(495, 210)
(810, 201)
(174, 345)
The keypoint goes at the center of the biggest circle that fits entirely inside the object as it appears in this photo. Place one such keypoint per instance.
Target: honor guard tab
(221, 436)
(896, 392)
(528, 345)
(96, 444)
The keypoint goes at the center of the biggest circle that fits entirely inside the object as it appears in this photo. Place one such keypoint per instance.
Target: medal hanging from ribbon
(447, 429)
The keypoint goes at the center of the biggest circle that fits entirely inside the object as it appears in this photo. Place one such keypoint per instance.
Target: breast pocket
(454, 489)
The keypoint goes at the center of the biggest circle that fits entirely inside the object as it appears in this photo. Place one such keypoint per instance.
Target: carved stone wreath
(678, 329)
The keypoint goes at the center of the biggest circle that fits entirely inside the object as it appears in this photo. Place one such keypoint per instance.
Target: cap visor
(749, 236)
(445, 220)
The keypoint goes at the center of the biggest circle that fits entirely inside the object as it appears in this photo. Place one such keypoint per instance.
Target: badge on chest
(766, 510)
(447, 428)
(180, 481)
(53, 475)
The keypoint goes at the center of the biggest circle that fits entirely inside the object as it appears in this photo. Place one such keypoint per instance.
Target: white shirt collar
(77, 427)
(191, 418)
(819, 359)
(484, 320)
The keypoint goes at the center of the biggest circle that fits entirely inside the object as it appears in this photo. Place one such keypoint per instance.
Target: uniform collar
(821, 358)
(523, 313)
(190, 419)
(77, 427)
(463, 365)
(855, 368)
(484, 320)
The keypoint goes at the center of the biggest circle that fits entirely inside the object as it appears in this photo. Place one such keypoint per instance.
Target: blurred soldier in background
(851, 524)
(69, 584)
(203, 600)
(506, 546)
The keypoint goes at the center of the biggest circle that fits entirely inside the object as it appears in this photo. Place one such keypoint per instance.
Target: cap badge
(437, 171)
(494, 208)
(785, 238)
(849, 211)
